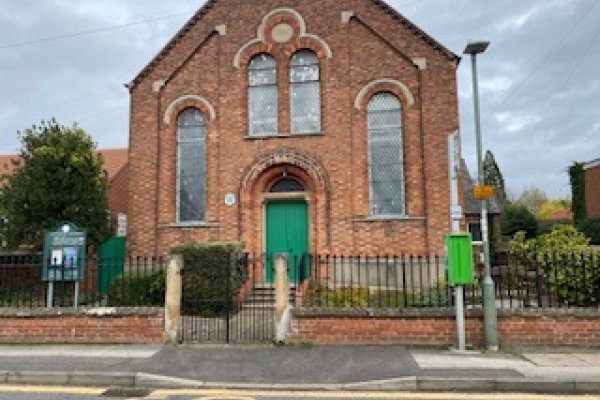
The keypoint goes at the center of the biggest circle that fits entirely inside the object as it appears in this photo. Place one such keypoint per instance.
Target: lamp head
(474, 48)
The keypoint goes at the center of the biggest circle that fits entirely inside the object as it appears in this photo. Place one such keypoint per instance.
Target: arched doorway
(286, 227)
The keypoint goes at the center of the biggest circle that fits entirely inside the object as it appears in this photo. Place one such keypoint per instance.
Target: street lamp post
(489, 301)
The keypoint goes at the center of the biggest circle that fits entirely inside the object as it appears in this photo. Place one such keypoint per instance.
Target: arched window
(262, 96)
(191, 166)
(386, 165)
(305, 93)
(286, 185)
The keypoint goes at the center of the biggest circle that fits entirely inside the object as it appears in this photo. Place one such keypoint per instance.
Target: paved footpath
(301, 367)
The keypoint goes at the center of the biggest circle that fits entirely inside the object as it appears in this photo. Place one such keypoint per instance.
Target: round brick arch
(265, 170)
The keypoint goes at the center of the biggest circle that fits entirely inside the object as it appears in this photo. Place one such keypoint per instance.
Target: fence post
(282, 296)
(173, 298)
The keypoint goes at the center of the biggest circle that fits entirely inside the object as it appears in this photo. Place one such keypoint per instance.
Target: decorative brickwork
(373, 44)
(103, 325)
(431, 327)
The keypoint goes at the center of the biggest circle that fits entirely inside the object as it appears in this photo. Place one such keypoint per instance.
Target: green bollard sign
(460, 259)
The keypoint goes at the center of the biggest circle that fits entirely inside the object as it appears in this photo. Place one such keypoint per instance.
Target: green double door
(287, 232)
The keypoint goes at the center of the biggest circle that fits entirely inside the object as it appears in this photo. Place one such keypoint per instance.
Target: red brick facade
(592, 189)
(364, 47)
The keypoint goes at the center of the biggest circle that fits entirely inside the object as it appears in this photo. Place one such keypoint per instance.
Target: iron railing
(131, 282)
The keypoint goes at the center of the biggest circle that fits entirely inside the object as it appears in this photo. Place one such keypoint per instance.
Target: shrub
(137, 290)
(570, 268)
(212, 276)
(591, 229)
(515, 218)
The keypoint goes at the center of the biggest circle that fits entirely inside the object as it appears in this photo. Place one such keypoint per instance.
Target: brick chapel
(308, 126)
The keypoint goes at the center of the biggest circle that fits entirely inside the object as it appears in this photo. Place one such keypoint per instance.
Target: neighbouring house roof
(592, 164)
(6, 165)
(114, 161)
(471, 204)
(561, 215)
(414, 29)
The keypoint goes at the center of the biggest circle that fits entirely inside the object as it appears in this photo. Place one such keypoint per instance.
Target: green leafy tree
(517, 217)
(532, 198)
(493, 176)
(57, 178)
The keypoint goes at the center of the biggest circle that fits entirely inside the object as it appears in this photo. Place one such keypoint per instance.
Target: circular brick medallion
(282, 33)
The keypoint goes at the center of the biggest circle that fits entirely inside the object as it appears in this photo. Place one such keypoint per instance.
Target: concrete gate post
(282, 296)
(173, 298)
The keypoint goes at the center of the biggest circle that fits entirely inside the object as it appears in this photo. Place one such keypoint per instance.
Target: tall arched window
(386, 165)
(305, 92)
(262, 96)
(191, 166)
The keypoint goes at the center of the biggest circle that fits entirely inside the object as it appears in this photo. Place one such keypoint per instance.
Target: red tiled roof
(6, 165)
(114, 161)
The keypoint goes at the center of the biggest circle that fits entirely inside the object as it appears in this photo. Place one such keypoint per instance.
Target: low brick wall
(436, 327)
(93, 325)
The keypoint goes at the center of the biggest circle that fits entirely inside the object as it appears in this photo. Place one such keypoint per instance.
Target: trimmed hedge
(135, 290)
(212, 275)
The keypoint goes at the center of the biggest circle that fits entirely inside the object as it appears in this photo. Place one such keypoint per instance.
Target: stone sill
(82, 312)
(284, 136)
(386, 218)
(189, 225)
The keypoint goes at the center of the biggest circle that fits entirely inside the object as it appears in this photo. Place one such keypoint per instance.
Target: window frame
(316, 62)
(275, 85)
(202, 140)
(402, 180)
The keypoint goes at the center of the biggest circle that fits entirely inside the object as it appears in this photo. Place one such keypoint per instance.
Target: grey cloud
(537, 117)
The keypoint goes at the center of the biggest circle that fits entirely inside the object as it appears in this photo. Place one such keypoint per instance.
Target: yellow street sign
(483, 192)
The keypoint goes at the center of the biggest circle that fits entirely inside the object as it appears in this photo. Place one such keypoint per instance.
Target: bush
(515, 218)
(570, 267)
(136, 290)
(591, 229)
(212, 276)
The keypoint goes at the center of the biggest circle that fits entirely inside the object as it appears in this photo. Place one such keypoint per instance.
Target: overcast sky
(539, 80)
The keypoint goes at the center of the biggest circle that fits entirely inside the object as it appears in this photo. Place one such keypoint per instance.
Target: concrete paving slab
(590, 358)
(555, 360)
(80, 351)
(446, 360)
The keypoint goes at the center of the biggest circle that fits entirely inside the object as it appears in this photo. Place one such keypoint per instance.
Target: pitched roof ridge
(211, 3)
(172, 42)
(417, 30)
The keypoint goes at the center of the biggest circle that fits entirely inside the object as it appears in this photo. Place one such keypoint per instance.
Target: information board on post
(64, 258)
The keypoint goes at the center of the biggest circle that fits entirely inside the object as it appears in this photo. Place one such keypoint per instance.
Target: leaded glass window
(262, 96)
(386, 165)
(191, 166)
(305, 92)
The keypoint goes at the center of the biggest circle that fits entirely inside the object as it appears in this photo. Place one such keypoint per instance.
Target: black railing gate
(227, 303)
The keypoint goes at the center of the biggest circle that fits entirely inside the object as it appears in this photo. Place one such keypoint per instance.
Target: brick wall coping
(441, 312)
(82, 312)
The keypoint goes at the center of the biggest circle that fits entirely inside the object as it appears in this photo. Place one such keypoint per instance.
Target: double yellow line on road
(223, 394)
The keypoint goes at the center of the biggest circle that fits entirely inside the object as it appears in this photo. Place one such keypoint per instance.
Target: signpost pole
(455, 216)
(50, 295)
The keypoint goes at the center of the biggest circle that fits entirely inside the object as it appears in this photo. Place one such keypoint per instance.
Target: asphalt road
(72, 393)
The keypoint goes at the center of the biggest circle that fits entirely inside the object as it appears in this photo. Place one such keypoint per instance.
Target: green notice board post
(64, 259)
(460, 259)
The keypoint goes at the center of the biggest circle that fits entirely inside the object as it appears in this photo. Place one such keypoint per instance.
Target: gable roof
(114, 161)
(417, 31)
(591, 164)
